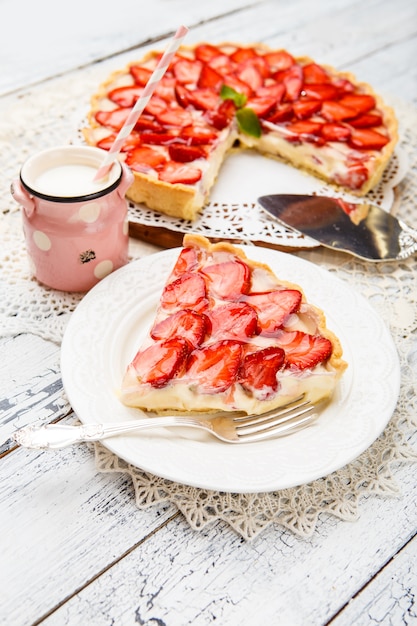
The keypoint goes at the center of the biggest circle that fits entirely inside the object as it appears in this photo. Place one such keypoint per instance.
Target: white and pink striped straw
(141, 103)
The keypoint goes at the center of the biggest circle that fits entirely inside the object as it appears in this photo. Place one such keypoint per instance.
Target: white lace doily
(50, 115)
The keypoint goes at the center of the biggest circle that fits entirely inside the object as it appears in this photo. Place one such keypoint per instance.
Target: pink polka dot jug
(76, 229)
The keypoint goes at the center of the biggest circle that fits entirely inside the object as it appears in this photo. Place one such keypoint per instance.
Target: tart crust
(186, 200)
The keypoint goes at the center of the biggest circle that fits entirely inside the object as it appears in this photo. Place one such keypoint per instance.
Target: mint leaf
(228, 93)
(248, 122)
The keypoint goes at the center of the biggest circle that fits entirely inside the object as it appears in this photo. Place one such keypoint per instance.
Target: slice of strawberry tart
(216, 96)
(229, 335)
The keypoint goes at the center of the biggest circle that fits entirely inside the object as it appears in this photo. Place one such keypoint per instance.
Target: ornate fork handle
(407, 240)
(61, 435)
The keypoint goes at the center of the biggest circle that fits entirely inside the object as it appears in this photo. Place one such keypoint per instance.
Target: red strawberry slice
(186, 324)
(166, 88)
(367, 120)
(198, 135)
(162, 139)
(367, 139)
(280, 60)
(275, 91)
(186, 292)
(321, 91)
(261, 105)
(304, 130)
(187, 261)
(112, 119)
(204, 99)
(355, 176)
(274, 308)
(178, 173)
(155, 106)
(222, 116)
(185, 154)
(334, 111)
(131, 142)
(259, 370)
(232, 81)
(228, 280)
(141, 159)
(292, 80)
(283, 114)
(125, 96)
(235, 320)
(147, 122)
(206, 52)
(214, 369)
(161, 362)
(335, 132)
(361, 103)
(182, 95)
(175, 117)
(314, 73)
(187, 72)
(222, 63)
(306, 108)
(344, 85)
(251, 76)
(243, 54)
(141, 75)
(303, 351)
(210, 78)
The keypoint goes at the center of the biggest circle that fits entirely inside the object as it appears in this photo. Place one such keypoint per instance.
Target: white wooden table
(74, 549)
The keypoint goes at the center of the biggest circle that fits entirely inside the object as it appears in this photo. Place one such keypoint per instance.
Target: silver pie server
(362, 229)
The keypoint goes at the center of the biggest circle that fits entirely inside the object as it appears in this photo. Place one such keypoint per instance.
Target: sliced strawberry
(131, 142)
(335, 132)
(258, 373)
(259, 63)
(243, 54)
(182, 95)
(292, 80)
(141, 159)
(303, 351)
(206, 52)
(275, 91)
(112, 119)
(261, 105)
(214, 369)
(304, 129)
(148, 122)
(280, 60)
(185, 154)
(228, 280)
(367, 139)
(232, 81)
(198, 135)
(155, 106)
(141, 75)
(314, 73)
(251, 76)
(175, 117)
(185, 324)
(334, 111)
(222, 116)
(235, 320)
(166, 88)
(187, 261)
(355, 176)
(222, 63)
(367, 120)
(210, 78)
(304, 109)
(204, 99)
(179, 173)
(186, 292)
(187, 72)
(321, 91)
(125, 96)
(161, 362)
(161, 139)
(283, 114)
(274, 308)
(361, 103)
(344, 85)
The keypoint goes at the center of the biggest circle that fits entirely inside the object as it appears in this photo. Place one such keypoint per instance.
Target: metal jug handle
(126, 180)
(22, 197)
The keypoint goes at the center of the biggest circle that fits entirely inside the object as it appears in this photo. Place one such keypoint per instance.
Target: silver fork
(229, 428)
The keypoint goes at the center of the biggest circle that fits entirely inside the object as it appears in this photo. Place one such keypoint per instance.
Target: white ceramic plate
(108, 326)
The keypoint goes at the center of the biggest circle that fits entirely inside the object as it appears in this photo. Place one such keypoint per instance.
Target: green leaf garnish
(228, 93)
(248, 122)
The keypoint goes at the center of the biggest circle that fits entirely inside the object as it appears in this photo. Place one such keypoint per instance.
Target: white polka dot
(103, 268)
(41, 240)
(89, 212)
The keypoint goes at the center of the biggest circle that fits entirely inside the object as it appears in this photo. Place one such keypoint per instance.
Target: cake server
(362, 229)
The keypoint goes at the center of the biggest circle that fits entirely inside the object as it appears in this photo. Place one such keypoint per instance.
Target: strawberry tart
(229, 335)
(213, 97)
